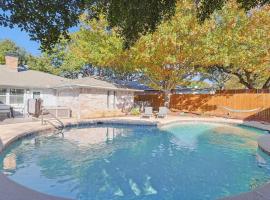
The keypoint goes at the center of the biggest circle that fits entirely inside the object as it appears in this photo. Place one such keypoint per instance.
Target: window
(16, 96)
(36, 95)
(3, 98)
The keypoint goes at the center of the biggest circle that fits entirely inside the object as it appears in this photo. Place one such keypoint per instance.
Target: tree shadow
(228, 104)
(154, 100)
(192, 103)
(263, 115)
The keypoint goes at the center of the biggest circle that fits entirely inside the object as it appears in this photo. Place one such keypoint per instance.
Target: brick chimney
(12, 61)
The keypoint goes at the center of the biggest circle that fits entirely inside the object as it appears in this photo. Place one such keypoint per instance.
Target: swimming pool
(179, 161)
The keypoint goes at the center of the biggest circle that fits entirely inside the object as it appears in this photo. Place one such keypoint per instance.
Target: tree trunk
(249, 85)
(266, 84)
(244, 79)
(167, 98)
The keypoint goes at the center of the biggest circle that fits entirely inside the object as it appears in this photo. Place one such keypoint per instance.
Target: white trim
(96, 87)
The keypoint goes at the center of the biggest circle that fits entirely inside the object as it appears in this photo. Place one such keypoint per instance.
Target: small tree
(8, 46)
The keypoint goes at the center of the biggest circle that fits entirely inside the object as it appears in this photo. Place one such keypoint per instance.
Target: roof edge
(95, 87)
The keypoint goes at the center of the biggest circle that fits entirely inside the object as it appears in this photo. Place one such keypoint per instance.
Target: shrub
(135, 111)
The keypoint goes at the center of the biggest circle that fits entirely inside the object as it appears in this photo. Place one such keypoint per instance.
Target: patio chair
(162, 113)
(148, 112)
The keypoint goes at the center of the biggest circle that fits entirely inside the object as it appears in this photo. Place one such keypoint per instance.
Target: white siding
(88, 103)
(49, 97)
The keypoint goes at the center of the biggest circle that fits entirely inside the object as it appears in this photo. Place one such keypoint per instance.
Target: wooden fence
(248, 105)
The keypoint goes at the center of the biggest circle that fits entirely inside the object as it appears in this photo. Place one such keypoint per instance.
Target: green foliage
(42, 63)
(45, 21)
(136, 18)
(7, 46)
(96, 42)
(48, 21)
(233, 83)
(135, 111)
(166, 57)
(207, 7)
(46, 63)
(232, 45)
(199, 84)
(239, 43)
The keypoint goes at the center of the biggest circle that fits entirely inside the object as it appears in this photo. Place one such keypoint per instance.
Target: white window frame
(10, 95)
(4, 95)
(40, 93)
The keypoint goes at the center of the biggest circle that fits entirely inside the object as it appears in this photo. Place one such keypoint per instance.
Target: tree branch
(266, 85)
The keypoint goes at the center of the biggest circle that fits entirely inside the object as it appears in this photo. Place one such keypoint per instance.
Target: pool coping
(14, 191)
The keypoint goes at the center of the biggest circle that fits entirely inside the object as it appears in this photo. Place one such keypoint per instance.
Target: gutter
(96, 87)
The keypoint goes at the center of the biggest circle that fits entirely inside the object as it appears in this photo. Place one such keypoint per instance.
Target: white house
(86, 97)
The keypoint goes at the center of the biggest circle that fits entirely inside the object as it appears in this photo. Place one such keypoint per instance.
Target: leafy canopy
(231, 45)
(96, 42)
(166, 57)
(239, 44)
(48, 21)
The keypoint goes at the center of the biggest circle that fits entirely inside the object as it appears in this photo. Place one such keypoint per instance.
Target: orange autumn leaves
(231, 38)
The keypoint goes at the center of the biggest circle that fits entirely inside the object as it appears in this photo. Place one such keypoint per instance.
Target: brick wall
(92, 103)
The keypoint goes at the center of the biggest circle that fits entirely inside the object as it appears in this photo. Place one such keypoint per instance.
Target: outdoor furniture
(162, 113)
(57, 111)
(155, 112)
(34, 107)
(148, 112)
(6, 109)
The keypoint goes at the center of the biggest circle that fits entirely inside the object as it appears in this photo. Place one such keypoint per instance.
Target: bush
(135, 111)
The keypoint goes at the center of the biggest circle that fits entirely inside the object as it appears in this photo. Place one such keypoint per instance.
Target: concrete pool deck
(9, 133)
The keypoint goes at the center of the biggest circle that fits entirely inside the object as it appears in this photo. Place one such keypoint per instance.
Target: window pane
(16, 99)
(36, 95)
(3, 95)
(3, 91)
(16, 91)
(2, 99)
(16, 96)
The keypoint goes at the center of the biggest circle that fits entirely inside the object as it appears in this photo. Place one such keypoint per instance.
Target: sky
(21, 38)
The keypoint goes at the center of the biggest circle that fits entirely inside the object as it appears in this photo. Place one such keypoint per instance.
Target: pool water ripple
(180, 161)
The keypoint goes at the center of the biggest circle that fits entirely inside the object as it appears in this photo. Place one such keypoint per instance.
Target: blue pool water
(182, 161)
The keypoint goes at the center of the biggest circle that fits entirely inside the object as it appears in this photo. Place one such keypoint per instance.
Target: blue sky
(20, 38)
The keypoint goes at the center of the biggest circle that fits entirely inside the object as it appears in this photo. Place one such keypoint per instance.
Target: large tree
(162, 59)
(207, 7)
(48, 21)
(239, 44)
(219, 79)
(232, 42)
(167, 57)
(93, 50)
